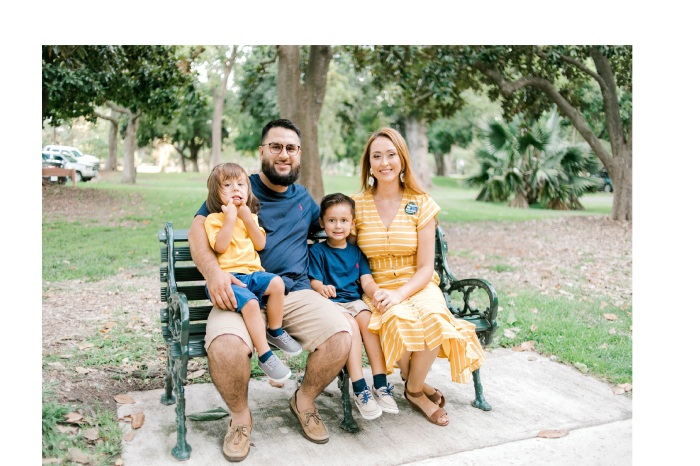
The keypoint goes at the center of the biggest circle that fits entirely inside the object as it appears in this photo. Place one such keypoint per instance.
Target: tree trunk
(113, 119)
(440, 169)
(217, 118)
(129, 166)
(111, 164)
(417, 140)
(194, 156)
(621, 176)
(301, 102)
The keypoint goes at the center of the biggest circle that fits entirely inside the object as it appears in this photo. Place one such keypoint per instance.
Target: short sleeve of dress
(427, 211)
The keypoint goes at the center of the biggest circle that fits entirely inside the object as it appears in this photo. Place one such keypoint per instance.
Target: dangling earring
(370, 181)
(401, 177)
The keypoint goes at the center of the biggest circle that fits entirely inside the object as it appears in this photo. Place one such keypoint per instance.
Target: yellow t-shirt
(241, 256)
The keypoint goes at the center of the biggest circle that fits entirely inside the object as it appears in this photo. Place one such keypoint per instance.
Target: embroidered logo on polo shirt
(411, 208)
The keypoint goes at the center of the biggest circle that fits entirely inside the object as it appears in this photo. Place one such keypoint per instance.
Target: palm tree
(533, 162)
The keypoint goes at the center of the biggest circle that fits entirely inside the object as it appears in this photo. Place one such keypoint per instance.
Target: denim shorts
(256, 285)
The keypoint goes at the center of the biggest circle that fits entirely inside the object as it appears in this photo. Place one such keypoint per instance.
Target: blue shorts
(256, 285)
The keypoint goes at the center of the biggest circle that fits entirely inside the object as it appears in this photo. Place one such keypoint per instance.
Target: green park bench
(183, 321)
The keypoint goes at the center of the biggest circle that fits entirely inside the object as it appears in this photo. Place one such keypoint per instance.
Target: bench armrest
(179, 322)
(478, 303)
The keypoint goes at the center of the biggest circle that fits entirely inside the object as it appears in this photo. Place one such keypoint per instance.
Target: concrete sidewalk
(528, 392)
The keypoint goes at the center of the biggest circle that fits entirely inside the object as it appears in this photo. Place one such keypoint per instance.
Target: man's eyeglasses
(276, 148)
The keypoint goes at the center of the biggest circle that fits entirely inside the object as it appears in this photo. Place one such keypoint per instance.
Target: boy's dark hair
(282, 123)
(329, 200)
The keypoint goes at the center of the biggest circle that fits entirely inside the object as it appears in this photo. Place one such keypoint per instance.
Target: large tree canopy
(129, 79)
(529, 79)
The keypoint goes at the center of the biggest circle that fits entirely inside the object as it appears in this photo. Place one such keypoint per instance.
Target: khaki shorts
(308, 317)
(354, 307)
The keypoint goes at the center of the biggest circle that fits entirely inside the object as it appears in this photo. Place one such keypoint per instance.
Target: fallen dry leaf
(85, 346)
(82, 370)
(92, 434)
(610, 316)
(124, 399)
(119, 462)
(622, 388)
(528, 345)
(553, 433)
(137, 420)
(508, 333)
(196, 374)
(78, 456)
(276, 384)
(70, 430)
(603, 305)
(109, 325)
(129, 436)
(73, 417)
(524, 346)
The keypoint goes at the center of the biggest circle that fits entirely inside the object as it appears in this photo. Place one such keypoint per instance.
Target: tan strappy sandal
(436, 397)
(433, 418)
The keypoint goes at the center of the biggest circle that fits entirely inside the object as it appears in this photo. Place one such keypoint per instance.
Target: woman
(395, 228)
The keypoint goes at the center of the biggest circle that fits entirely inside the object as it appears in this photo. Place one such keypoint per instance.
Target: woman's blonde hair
(221, 173)
(409, 182)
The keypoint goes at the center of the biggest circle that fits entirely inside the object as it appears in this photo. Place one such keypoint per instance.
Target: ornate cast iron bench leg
(348, 423)
(479, 401)
(182, 449)
(168, 398)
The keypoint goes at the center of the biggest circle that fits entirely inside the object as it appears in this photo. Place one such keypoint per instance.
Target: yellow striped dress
(423, 318)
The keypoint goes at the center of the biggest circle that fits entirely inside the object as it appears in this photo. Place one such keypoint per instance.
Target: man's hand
(220, 292)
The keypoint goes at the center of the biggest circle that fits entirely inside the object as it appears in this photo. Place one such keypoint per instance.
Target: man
(287, 214)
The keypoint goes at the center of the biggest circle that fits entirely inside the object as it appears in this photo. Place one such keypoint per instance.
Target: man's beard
(268, 168)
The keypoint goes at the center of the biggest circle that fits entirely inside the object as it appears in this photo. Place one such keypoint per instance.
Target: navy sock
(275, 332)
(359, 386)
(379, 380)
(265, 357)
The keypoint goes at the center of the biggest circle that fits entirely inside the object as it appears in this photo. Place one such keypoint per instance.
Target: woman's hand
(384, 299)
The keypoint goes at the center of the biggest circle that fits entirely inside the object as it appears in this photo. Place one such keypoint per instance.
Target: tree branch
(508, 88)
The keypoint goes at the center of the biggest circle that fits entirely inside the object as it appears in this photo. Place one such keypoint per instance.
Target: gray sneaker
(369, 409)
(385, 398)
(286, 343)
(275, 369)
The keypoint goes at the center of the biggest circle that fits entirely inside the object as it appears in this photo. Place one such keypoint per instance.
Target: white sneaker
(369, 409)
(385, 398)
